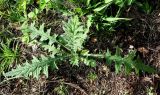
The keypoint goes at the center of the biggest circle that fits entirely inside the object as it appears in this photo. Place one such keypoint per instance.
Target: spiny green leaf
(74, 35)
(139, 65)
(34, 33)
(107, 56)
(74, 60)
(34, 69)
(128, 61)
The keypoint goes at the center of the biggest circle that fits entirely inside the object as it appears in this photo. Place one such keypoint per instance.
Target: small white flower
(131, 47)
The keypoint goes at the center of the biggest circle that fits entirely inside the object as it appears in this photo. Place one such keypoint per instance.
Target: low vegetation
(39, 37)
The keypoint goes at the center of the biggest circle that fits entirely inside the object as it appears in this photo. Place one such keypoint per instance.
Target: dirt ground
(143, 33)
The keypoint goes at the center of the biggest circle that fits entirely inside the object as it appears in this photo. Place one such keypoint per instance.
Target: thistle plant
(69, 46)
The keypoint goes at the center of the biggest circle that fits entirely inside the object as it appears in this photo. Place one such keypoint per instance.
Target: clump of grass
(8, 54)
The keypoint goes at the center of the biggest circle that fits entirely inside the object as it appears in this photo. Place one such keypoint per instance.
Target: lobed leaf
(34, 69)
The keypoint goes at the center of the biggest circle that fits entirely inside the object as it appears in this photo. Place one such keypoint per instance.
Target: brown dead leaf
(143, 50)
(147, 79)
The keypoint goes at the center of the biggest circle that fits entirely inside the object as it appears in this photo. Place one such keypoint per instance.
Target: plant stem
(117, 15)
(95, 55)
(63, 46)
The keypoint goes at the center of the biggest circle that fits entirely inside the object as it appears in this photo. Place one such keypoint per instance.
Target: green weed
(145, 7)
(92, 76)
(103, 18)
(61, 89)
(8, 55)
(69, 46)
